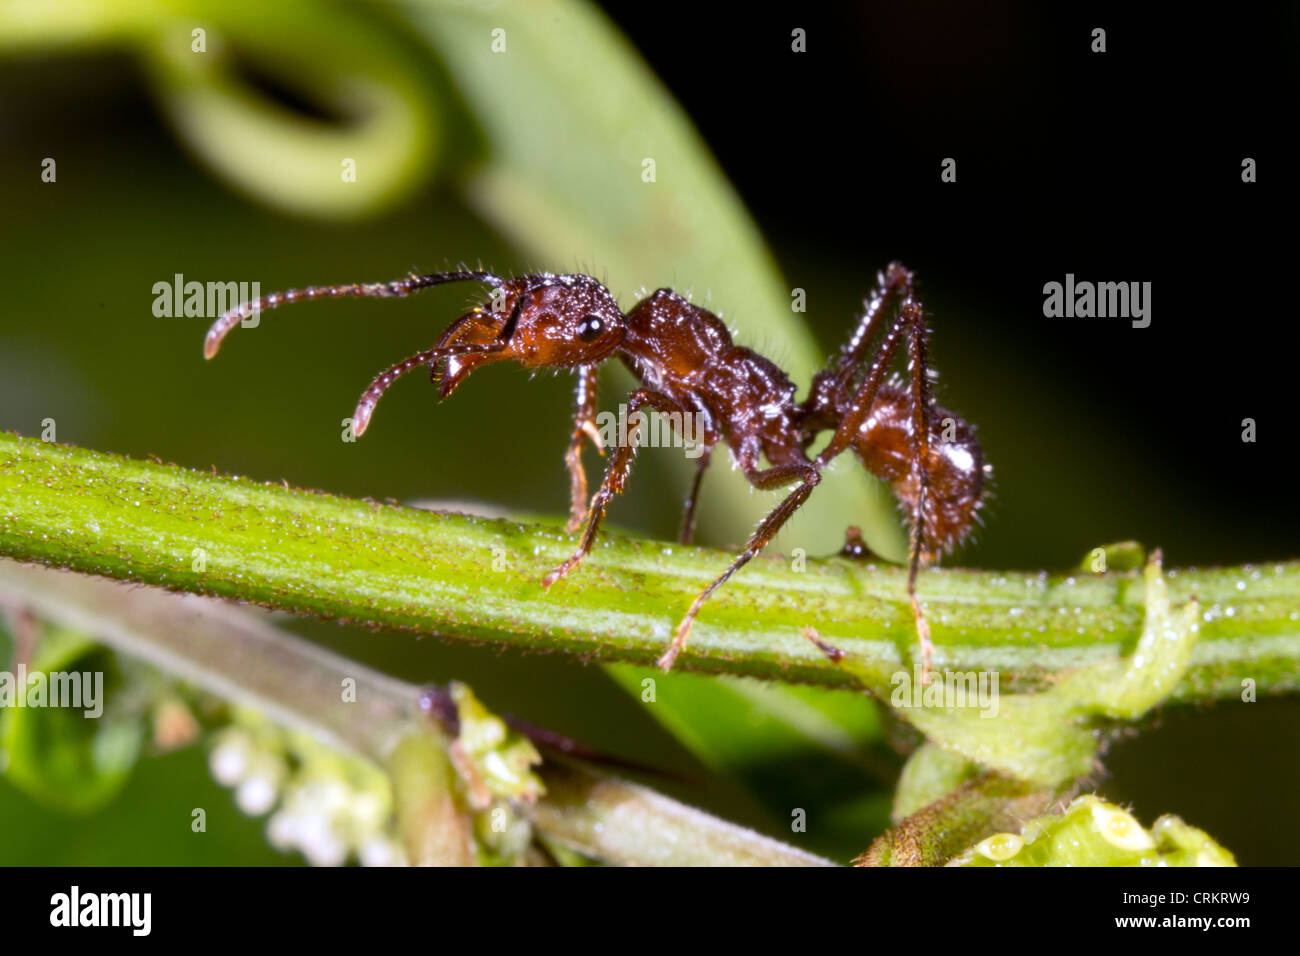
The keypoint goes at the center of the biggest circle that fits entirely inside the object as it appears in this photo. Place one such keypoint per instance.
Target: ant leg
(911, 320)
(922, 403)
(855, 415)
(615, 478)
(692, 498)
(584, 427)
(833, 387)
(809, 476)
(889, 284)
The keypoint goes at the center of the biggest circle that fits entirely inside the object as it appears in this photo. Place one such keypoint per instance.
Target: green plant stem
(614, 820)
(231, 653)
(939, 831)
(477, 580)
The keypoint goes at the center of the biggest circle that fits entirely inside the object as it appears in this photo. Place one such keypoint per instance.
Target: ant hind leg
(809, 476)
(921, 406)
(910, 321)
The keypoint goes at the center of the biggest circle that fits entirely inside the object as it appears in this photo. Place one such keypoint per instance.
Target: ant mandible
(686, 363)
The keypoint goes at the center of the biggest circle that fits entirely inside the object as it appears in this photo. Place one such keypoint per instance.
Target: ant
(687, 363)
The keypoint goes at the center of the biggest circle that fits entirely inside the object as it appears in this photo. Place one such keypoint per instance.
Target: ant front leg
(615, 478)
(584, 427)
(910, 321)
(809, 476)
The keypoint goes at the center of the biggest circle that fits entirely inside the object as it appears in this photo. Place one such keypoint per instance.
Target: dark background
(1117, 166)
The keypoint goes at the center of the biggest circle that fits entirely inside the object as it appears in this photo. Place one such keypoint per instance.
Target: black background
(1119, 166)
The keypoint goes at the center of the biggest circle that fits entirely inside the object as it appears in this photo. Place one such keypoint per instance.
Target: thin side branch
(245, 660)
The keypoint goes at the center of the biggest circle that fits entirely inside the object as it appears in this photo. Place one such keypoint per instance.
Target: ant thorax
(685, 351)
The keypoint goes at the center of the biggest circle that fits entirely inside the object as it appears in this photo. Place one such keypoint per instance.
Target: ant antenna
(384, 290)
(370, 397)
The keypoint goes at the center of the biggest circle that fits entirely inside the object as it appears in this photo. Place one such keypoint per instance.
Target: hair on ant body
(686, 363)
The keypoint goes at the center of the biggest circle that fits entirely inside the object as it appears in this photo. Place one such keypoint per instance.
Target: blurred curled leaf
(378, 142)
(369, 97)
(64, 747)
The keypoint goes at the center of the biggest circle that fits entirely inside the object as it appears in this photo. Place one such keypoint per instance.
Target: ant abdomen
(956, 467)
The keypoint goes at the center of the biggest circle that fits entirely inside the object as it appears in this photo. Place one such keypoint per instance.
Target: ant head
(559, 321)
(543, 320)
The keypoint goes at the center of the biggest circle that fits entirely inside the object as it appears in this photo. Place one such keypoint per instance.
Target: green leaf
(62, 756)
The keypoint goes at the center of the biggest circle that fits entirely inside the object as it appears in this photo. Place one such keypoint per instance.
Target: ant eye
(590, 327)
